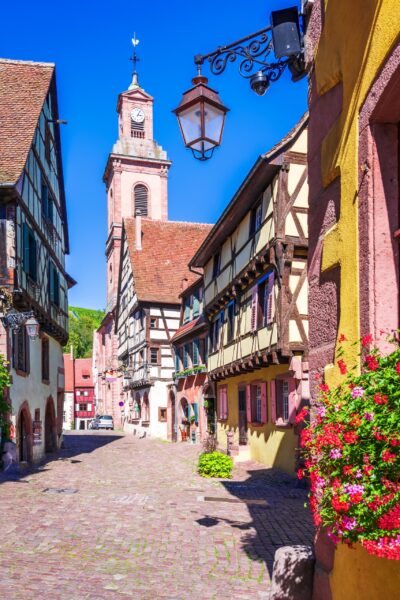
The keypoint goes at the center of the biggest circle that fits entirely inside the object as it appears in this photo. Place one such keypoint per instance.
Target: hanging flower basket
(352, 453)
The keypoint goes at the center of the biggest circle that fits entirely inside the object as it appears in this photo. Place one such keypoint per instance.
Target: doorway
(242, 417)
(23, 432)
(50, 434)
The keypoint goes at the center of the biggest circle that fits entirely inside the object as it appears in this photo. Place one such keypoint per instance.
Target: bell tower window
(141, 197)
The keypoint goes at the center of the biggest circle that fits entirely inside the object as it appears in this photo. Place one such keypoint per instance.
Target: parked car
(93, 423)
(103, 422)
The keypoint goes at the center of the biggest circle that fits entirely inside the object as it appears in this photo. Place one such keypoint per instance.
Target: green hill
(82, 323)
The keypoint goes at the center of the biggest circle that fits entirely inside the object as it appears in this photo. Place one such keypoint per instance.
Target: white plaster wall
(69, 410)
(32, 389)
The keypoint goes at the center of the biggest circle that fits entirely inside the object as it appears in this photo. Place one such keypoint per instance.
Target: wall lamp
(14, 320)
(262, 56)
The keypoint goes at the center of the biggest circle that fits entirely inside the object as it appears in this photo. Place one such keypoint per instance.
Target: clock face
(137, 115)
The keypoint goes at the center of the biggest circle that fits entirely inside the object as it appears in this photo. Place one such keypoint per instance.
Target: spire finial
(135, 59)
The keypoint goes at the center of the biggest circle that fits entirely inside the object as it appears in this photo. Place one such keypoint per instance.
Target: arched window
(140, 196)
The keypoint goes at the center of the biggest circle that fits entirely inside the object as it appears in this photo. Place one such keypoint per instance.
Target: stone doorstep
(243, 454)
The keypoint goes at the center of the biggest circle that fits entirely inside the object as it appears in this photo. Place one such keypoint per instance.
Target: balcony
(137, 377)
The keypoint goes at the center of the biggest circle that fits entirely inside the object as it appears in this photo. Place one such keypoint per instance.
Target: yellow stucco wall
(360, 576)
(355, 41)
(270, 445)
(356, 38)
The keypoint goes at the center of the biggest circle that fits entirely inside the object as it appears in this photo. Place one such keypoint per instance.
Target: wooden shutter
(196, 412)
(141, 200)
(272, 393)
(25, 248)
(254, 301)
(225, 402)
(292, 400)
(248, 403)
(195, 352)
(177, 361)
(196, 306)
(270, 299)
(220, 402)
(264, 412)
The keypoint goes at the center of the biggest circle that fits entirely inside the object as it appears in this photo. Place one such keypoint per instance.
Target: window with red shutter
(254, 306)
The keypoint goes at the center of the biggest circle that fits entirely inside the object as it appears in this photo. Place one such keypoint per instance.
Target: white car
(103, 422)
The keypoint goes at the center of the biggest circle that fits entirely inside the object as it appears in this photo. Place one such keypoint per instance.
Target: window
(222, 403)
(262, 302)
(154, 356)
(153, 322)
(45, 359)
(203, 351)
(231, 321)
(162, 414)
(21, 350)
(47, 204)
(47, 143)
(283, 400)
(256, 403)
(141, 199)
(256, 218)
(196, 351)
(186, 356)
(83, 406)
(54, 284)
(29, 263)
(216, 265)
(215, 331)
(145, 408)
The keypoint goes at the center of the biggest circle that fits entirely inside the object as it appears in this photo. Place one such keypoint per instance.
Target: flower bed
(352, 453)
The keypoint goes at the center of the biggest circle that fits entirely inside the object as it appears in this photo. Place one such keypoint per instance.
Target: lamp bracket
(253, 53)
(14, 319)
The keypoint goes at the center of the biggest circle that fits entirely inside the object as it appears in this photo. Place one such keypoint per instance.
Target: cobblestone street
(114, 516)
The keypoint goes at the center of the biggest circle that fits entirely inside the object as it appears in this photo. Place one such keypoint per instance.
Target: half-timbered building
(33, 245)
(192, 415)
(153, 271)
(255, 299)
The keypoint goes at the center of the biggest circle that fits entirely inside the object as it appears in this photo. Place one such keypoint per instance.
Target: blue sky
(90, 44)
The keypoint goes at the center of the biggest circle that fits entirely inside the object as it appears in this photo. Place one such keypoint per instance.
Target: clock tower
(136, 175)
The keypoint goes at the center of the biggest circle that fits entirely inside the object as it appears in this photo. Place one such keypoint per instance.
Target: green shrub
(215, 464)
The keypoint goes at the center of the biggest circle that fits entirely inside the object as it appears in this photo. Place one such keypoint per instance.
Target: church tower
(136, 174)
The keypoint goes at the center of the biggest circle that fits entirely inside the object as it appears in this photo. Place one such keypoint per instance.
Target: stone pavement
(133, 521)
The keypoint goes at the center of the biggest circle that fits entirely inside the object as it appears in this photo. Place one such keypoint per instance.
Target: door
(23, 442)
(242, 417)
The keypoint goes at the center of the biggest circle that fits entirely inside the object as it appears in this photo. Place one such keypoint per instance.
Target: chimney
(138, 230)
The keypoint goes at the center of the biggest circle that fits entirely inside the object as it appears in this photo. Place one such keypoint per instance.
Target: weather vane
(134, 58)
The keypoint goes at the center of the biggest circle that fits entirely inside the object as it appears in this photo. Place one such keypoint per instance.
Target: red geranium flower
(387, 456)
(350, 437)
(367, 340)
(398, 367)
(342, 338)
(324, 387)
(347, 470)
(380, 399)
(372, 362)
(342, 366)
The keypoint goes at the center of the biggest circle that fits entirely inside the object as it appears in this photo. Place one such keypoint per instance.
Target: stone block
(292, 576)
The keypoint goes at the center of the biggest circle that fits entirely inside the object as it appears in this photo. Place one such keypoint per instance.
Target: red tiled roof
(184, 329)
(83, 372)
(23, 90)
(162, 264)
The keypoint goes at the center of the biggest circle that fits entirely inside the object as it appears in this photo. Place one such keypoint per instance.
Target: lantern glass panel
(213, 123)
(32, 328)
(190, 120)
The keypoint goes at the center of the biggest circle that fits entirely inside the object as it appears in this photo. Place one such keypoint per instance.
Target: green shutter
(32, 256)
(196, 306)
(196, 412)
(177, 360)
(195, 352)
(25, 248)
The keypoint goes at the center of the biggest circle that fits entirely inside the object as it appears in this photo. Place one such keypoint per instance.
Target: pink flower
(357, 392)
(321, 411)
(349, 523)
(335, 453)
(368, 416)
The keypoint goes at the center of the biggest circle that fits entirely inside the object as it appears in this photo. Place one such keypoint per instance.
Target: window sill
(21, 373)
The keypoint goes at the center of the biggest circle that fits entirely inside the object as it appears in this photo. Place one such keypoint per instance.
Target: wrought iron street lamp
(201, 117)
(15, 320)
(201, 114)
